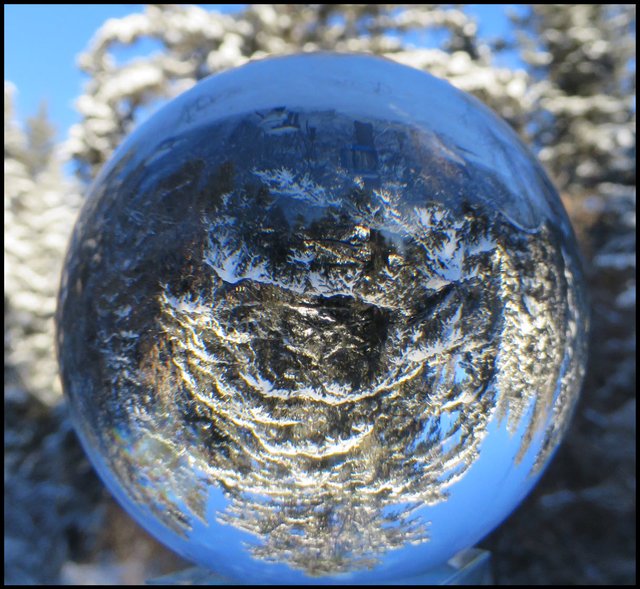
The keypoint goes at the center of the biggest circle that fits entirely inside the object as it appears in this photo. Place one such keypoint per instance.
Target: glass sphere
(322, 319)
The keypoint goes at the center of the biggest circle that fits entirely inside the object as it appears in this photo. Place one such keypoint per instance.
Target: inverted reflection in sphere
(321, 315)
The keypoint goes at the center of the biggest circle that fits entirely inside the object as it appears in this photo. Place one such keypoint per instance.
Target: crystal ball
(322, 319)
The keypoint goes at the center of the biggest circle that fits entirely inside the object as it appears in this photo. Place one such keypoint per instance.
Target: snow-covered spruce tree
(48, 495)
(40, 142)
(196, 43)
(583, 56)
(39, 211)
(583, 59)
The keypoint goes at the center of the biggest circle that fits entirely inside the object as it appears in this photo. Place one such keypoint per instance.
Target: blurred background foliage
(573, 103)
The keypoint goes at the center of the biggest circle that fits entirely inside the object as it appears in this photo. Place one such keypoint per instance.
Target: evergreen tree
(40, 135)
(198, 43)
(582, 57)
(39, 211)
(47, 495)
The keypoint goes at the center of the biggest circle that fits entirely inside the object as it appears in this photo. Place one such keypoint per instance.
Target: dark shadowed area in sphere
(322, 319)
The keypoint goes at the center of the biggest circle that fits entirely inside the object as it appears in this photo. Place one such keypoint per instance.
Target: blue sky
(42, 41)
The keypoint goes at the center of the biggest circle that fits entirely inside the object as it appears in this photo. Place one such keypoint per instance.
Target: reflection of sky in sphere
(310, 331)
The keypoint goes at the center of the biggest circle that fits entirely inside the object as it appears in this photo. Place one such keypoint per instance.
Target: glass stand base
(468, 567)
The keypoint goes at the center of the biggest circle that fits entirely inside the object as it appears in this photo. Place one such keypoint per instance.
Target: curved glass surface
(322, 319)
